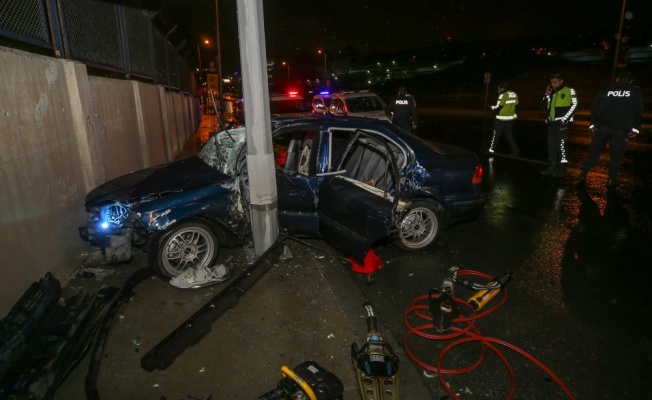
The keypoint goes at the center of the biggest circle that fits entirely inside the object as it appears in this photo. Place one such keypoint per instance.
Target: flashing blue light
(324, 92)
(104, 225)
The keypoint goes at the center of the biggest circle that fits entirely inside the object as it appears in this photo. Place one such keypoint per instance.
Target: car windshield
(221, 150)
(288, 106)
(366, 103)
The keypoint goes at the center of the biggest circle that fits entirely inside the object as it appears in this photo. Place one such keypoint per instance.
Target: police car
(355, 104)
(290, 104)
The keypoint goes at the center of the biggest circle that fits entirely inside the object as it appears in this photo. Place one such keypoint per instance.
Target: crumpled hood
(176, 176)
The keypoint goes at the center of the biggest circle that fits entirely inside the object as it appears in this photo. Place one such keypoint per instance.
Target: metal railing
(102, 35)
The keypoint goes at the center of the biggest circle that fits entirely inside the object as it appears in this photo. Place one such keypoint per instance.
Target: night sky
(393, 25)
(383, 25)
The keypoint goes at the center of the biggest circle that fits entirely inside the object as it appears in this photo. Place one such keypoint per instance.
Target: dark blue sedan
(355, 182)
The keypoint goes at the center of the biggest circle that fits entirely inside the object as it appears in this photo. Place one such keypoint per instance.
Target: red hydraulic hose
(473, 334)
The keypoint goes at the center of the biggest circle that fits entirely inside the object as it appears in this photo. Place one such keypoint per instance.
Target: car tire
(191, 243)
(420, 226)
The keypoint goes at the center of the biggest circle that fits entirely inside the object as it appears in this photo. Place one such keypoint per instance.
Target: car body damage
(355, 182)
(134, 208)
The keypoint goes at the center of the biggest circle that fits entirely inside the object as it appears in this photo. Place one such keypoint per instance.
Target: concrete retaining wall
(61, 134)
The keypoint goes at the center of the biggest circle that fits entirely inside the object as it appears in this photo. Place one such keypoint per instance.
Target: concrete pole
(219, 67)
(260, 158)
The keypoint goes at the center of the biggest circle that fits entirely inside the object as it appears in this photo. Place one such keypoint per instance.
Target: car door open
(361, 205)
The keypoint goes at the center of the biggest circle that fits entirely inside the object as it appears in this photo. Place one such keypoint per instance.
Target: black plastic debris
(44, 337)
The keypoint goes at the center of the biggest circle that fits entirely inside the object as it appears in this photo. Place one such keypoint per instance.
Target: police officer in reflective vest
(561, 103)
(616, 116)
(402, 111)
(505, 109)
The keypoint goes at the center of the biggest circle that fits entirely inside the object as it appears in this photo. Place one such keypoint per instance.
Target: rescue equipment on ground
(443, 308)
(375, 364)
(483, 296)
(372, 263)
(308, 381)
(444, 317)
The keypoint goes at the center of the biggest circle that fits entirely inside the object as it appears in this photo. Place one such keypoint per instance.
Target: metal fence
(102, 35)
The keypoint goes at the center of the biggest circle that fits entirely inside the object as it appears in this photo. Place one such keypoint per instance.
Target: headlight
(112, 216)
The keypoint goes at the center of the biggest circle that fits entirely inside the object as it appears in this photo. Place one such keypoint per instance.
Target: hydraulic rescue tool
(490, 290)
(375, 364)
(308, 381)
(443, 308)
(484, 292)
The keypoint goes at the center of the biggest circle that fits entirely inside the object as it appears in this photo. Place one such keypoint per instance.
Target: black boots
(548, 171)
(558, 171)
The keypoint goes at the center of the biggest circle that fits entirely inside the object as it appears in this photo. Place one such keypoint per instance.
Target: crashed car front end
(114, 227)
(129, 210)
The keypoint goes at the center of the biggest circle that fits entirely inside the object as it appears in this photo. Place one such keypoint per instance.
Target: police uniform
(505, 109)
(561, 105)
(402, 111)
(617, 112)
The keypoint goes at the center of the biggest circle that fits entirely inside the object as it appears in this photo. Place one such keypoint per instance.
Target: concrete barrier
(62, 133)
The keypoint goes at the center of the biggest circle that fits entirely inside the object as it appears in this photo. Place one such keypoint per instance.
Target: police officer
(616, 116)
(560, 103)
(402, 111)
(505, 109)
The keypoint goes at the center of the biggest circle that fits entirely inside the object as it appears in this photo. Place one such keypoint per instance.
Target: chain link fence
(102, 35)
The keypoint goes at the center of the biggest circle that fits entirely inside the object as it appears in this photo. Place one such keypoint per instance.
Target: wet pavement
(576, 304)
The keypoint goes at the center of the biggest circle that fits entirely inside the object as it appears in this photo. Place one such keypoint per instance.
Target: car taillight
(477, 176)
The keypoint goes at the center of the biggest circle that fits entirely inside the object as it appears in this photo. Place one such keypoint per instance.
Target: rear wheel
(419, 227)
(188, 244)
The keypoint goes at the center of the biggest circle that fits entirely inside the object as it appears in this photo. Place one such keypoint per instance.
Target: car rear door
(356, 207)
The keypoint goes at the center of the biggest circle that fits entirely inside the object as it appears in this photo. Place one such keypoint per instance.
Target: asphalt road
(580, 261)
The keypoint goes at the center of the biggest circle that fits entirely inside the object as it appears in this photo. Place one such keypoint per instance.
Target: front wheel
(419, 227)
(188, 244)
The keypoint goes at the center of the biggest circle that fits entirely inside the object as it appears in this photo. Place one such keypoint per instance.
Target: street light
(325, 69)
(206, 42)
(619, 39)
(288, 65)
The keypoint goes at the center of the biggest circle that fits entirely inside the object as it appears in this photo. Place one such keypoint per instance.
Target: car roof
(360, 93)
(285, 96)
(328, 121)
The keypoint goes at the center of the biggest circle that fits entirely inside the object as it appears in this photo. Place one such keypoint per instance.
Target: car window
(367, 161)
(288, 106)
(339, 140)
(293, 150)
(222, 150)
(364, 104)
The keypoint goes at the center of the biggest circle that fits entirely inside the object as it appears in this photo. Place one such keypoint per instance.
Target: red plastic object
(372, 263)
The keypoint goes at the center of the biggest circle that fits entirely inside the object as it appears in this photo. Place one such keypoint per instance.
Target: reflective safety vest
(561, 104)
(506, 106)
